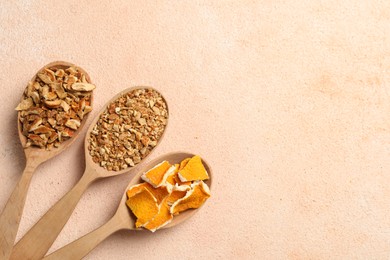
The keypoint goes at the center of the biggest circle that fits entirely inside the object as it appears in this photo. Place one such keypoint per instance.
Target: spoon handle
(37, 241)
(12, 212)
(82, 246)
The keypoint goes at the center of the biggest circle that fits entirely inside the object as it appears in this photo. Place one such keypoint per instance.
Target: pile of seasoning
(128, 129)
(53, 106)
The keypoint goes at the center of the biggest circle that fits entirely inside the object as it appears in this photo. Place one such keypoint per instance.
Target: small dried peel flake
(163, 195)
(193, 170)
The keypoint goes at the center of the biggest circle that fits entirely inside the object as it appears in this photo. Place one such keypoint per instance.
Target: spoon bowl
(11, 215)
(50, 225)
(53, 152)
(123, 219)
(100, 171)
(173, 158)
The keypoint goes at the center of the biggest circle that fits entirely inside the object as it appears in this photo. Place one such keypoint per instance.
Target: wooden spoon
(50, 225)
(123, 219)
(12, 212)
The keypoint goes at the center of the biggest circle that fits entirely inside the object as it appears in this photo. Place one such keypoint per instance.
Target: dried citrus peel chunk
(194, 198)
(175, 195)
(162, 218)
(159, 193)
(156, 175)
(193, 170)
(184, 163)
(171, 179)
(144, 206)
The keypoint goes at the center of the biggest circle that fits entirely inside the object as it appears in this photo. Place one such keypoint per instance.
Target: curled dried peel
(25, 104)
(83, 86)
(37, 122)
(171, 179)
(45, 78)
(53, 103)
(73, 124)
(194, 198)
(59, 90)
(174, 179)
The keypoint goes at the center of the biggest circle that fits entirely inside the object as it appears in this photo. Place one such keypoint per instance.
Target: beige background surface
(287, 100)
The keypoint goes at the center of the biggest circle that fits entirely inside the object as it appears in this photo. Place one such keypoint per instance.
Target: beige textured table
(287, 100)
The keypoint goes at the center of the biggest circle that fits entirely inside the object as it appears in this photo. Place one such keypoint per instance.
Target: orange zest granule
(168, 190)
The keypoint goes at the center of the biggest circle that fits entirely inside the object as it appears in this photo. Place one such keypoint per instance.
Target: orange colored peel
(175, 195)
(171, 179)
(156, 175)
(193, 170)
(174, 179)
(193, 199)
(184, 163)
(144, 206)
(162, 218)
(159, 193)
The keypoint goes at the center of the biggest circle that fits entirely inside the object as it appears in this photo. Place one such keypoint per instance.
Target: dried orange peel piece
(174, 179)
(144, 206)
(194, 198)
(193, 170)
(184, 163)
(175, 195)
(171, 179)
(159, 193)
(157, 176)
(162, 218)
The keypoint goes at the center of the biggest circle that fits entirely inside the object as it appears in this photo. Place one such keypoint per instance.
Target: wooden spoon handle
(12, 213)
(81, 247)
(50, 225)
